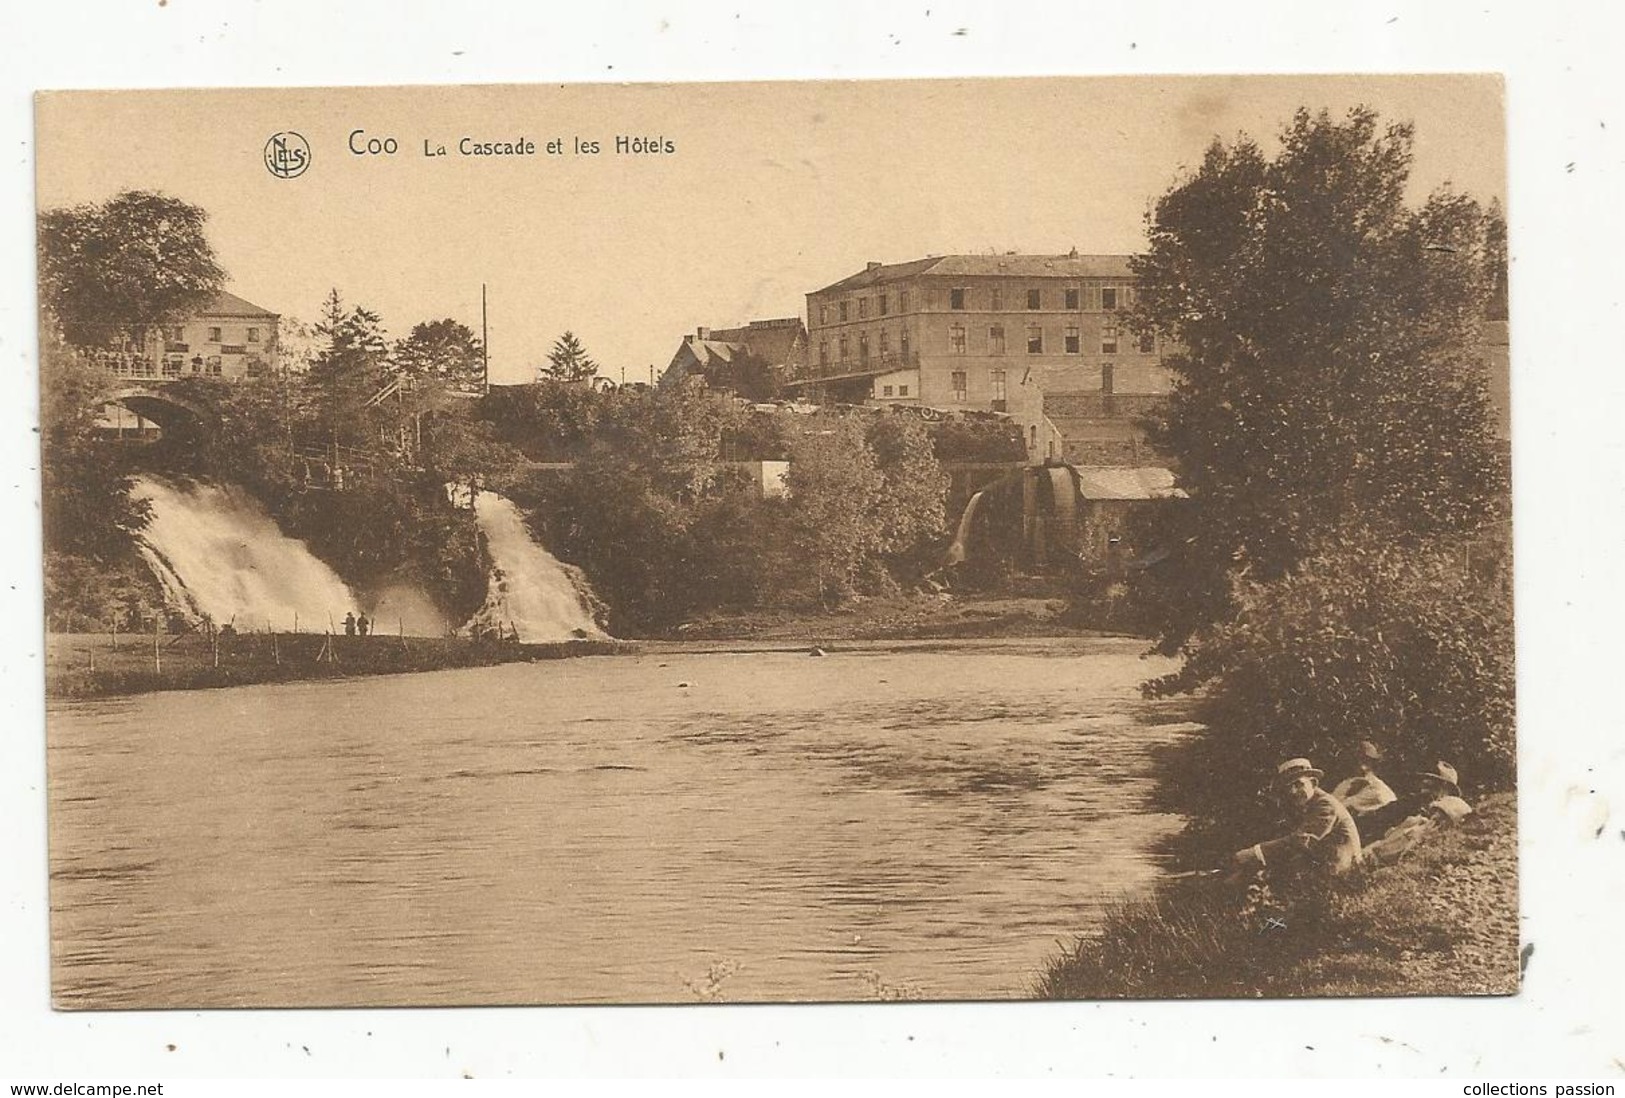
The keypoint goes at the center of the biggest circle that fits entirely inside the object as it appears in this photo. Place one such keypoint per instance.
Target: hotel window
(1072, 297)
(843, 310)
(902, 342)
(1074, 345)
(214, 335)
(998, 299)
(823, 353)
(1148, 343)
(885, 342)
(885, 390)
(175, 335)
(1035, 299)
(998, 385)
(995, 340)
(1108, 339)
(1035, 340)
(885, 300)
(253, 335)
(1032, 439)
(863, 307)
(1108, 298)
(823, 313)
(959, 385)
(863, 346)
(956, 339)
(956, 297)
(902, 301)
(902, 390)
(840, 349)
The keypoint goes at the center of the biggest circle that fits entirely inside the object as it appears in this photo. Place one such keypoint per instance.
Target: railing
(887, 360)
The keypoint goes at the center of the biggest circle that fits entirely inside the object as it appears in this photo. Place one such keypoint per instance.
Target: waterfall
(1064, 491)
(217, 554)
(529, 590)
(959, 551)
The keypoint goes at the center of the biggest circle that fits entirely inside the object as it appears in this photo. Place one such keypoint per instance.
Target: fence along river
(912, 821)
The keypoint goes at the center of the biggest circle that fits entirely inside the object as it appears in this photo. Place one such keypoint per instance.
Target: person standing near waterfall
(362, 625)
(349, 623)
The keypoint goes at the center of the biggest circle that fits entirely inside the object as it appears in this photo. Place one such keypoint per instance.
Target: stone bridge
(170, 411)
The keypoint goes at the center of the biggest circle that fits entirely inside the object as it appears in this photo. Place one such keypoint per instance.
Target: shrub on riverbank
(1410, 648)
(1441, 921)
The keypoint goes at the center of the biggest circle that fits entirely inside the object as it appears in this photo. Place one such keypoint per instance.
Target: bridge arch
(171, 412)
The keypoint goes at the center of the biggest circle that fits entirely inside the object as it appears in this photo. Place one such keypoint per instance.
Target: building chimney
(702, 333)
(871, 266)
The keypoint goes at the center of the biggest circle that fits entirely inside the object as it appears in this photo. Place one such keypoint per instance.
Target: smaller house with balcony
(228, 338)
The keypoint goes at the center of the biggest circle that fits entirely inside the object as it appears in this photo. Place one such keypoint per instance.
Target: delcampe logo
(287, 154)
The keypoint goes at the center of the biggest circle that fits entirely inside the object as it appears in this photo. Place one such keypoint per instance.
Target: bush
(92, 595)
(1405, 647)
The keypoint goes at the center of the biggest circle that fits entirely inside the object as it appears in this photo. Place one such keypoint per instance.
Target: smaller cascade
(959, 551)
(529, 591)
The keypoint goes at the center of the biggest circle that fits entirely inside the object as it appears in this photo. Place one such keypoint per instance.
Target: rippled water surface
(669, 827)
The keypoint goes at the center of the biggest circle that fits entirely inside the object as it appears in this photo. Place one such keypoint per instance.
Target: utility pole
(485, 345)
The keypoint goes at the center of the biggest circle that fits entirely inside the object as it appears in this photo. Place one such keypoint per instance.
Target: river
(903, 821)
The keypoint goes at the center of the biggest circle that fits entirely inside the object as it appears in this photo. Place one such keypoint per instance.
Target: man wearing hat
(1320, 834)
(1365, 792)
(1441, 781)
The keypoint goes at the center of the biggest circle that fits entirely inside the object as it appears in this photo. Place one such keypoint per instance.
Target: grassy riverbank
(86, 665)
(1441, 921)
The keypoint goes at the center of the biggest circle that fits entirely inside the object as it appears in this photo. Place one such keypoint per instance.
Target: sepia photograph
(786, 542)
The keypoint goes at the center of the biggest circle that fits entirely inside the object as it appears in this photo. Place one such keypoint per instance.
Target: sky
(772, 190)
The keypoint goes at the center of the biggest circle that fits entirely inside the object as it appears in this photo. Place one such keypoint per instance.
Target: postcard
(785, 542)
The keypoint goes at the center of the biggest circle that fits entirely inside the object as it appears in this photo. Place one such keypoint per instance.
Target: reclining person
(1441, 781)
(1320, 836)
(1405, 835)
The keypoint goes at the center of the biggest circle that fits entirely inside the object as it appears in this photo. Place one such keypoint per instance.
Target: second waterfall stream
(529, 591)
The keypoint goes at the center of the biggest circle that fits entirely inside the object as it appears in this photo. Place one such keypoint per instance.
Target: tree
(443, 353)
(568, 361)
(85, 500)
(912, 507)
(1330, 370)
(109, 272)
(466, 451)
(836, 490)
(346, 374)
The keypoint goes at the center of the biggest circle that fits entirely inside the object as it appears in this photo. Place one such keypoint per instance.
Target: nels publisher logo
(287, 155)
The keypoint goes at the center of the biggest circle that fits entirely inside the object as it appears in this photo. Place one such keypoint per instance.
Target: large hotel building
(1039, 338)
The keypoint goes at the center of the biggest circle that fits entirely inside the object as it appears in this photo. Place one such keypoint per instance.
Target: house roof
(710, 351)
(1126, 482)
(987, 266)
(225, 304)
(773, 342)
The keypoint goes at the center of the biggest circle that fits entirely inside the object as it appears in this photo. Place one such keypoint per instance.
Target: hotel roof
(989, 266)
